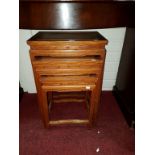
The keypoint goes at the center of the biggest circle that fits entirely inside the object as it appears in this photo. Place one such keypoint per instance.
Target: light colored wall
(115, 37)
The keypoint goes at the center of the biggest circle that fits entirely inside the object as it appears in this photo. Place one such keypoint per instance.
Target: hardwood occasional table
(68, 62)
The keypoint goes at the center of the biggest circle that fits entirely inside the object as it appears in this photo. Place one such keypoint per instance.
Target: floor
(110, 136)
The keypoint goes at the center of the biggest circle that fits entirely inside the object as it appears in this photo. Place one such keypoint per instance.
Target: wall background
(115, 37)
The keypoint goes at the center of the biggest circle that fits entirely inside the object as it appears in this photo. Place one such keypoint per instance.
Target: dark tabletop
(65, 36)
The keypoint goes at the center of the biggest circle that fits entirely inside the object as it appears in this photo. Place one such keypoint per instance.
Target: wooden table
(68, 62)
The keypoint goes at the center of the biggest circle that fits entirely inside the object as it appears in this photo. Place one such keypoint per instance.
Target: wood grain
(69, 121)
(66, 45)
(68, 80)
(68, 72)
(67, 53)
(68, 88)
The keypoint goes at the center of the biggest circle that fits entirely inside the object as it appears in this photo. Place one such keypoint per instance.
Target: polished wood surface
(78, 68)
(75, 14)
